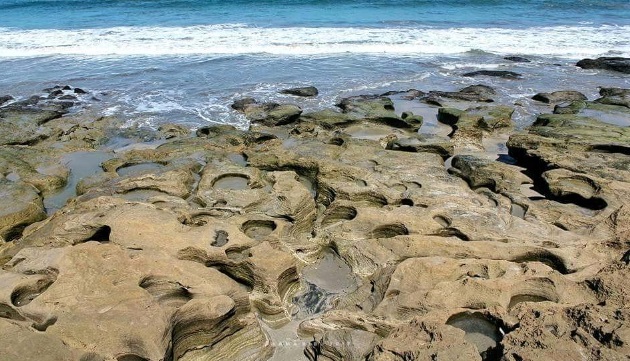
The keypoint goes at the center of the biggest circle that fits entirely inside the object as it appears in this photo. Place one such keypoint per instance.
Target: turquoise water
(74, 14)
(185, 61)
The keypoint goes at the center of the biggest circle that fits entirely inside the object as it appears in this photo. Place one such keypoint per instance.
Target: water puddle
(479, 330)
(614, 118)
(81, 165)
(288, 345)
(232, 181)
(518, 211)
(119, 144)
(258, 229)
(428, 112)
(238, 159)
(324, 281)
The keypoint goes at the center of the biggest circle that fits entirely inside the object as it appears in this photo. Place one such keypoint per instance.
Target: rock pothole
(479, 330)
(337, 214)
(258, 229)
(231, 182)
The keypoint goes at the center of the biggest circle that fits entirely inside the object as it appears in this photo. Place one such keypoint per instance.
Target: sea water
(186, 61)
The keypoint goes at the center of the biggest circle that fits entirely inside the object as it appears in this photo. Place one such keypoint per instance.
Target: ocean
(185, 61)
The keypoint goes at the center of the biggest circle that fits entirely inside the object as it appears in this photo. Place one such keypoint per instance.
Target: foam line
(235, 39)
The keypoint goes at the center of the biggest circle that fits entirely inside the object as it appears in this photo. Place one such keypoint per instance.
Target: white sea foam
(563, 41)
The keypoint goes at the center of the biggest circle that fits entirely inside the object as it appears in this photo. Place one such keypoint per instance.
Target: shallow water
(232, 181)
(479, 331)
(81, 165)
(139, 168)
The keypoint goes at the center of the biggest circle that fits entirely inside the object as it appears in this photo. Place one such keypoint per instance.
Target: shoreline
(195, 91)
(409, 223)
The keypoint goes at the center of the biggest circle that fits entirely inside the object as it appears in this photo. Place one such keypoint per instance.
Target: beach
(314, 181)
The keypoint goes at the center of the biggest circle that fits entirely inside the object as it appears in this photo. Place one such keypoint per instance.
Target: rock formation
(335, 235)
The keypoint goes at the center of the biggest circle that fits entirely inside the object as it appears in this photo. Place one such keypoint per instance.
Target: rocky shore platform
(340, 234)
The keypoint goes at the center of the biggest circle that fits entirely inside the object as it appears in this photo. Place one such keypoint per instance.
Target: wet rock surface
(494, 73)
(617, 64)
(338, 234)
(306, 91)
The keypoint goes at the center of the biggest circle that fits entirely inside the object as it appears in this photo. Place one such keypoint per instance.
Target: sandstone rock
(418, 143)
(22, 125)
(25, 207)
(40, 168)
(469, 125)
(560, 96)
(340, 233)
(423, 340)
(500, 177)
(345, 344)
(21, 343)
(374, 107)
(567, 334)
(272, 114)
(568, 140)
(169, 131)
(328, 118)
(412, 119)
(617, 64)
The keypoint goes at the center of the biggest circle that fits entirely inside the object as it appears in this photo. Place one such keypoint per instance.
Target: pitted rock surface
(346, 226)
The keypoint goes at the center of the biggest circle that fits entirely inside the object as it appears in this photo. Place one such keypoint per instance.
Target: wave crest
(564, 41)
